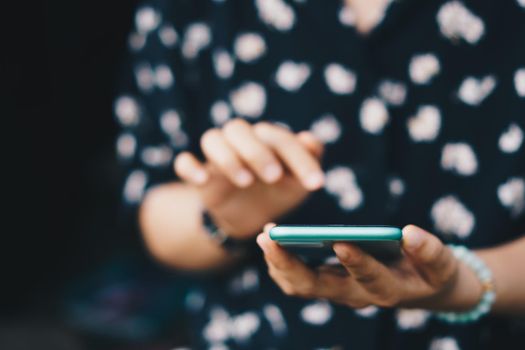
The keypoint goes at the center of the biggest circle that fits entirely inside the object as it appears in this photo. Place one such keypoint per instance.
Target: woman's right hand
(252, 173)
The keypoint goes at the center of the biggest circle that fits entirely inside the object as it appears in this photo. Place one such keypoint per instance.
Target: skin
(367, 13)
(427, 277)
(262, 171)
(253, 174)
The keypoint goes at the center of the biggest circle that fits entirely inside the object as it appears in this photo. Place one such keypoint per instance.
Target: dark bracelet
(231, 245)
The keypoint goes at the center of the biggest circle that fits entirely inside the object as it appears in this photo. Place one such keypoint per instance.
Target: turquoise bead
(485, 275)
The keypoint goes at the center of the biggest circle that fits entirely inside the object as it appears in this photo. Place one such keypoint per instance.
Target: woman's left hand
(427, 276)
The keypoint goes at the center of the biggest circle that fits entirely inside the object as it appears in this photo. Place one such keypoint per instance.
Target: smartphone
(383, 242)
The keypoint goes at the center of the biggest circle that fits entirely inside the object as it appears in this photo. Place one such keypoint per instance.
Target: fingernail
(200, 177)
(244, 178)
(272, 172)
(314, 180)
(412, 237)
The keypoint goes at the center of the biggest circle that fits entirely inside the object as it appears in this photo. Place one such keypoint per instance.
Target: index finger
(297, 158)
(293, 276)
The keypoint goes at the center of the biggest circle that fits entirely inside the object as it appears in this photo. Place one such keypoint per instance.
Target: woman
(326, 112)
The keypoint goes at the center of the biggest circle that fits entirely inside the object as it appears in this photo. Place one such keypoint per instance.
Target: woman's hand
(262, 171)
(428, 276)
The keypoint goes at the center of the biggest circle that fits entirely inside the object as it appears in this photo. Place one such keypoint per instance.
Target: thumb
(430, 256)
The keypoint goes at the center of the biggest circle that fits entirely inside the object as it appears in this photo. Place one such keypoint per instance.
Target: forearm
(507, 263)
(171, 224)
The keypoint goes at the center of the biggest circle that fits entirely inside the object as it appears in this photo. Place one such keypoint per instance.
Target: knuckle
(388, 300)
(180, 162)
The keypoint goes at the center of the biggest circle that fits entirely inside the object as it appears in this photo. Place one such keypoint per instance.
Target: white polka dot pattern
(223, 327)
(134, 186)
(154, 156)
(423, 68)
(147, 19)
(373, 115)
(512, 195)
(262, 67)
(340, 80)
(392, 92)
(346, 16)
(249, 100)
(163, 77)
(425, 125)
(168, 36)
(196, 38)
(276, 319)
(445, 343)
(367, 312)
(291, 76)
(459, 158)
(450, 216)
(126, 145)
(411, 319)
(341, 182)
(396, 186)
(473, 91)
(457, 22)
(327, 128)
(317, 313)
(127, 111)
(220, 113)
(249, 47)
(519, 82)
(145, 77)
(276, 14)
(223, 63)
(511, 139)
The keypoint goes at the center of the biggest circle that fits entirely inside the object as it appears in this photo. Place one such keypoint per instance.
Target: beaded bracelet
(485, 276)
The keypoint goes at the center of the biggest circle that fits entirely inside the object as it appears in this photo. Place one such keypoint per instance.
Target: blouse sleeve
(153, 105)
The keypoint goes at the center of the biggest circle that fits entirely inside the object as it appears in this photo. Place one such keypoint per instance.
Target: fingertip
(268, 226)
(272, 173)
(314, 180)
(341, 251)
(413, 237)
(243, 178)
(261, 242)
(346, 251)
(312, 142)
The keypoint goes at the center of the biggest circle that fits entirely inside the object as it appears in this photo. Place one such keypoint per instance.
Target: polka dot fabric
(423, 121)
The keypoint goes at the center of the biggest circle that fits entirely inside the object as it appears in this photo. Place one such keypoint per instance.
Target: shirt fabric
(423, 121)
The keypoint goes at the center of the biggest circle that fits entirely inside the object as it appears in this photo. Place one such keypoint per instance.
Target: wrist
(223, 238)
(464, 293)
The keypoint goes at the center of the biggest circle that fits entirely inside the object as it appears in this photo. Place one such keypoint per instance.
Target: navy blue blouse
(423, 120)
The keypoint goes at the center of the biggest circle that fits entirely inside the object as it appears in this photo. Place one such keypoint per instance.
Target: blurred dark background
(60, 68)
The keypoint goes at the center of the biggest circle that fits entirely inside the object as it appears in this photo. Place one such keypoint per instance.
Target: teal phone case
(383, 242)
